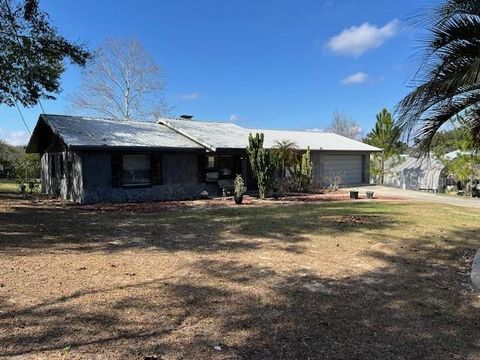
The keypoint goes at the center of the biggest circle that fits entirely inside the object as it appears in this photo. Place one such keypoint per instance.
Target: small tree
(384, 135)
(285, 153)
(466, 166)
(262, 164)
(343, 124)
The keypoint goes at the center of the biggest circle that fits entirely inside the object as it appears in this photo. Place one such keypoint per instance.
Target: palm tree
(448, 82)
(285, 153)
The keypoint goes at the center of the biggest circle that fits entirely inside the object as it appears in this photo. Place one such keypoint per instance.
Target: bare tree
(121, 82)
(343, 124)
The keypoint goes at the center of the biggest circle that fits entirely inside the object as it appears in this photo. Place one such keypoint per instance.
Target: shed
(418, 174)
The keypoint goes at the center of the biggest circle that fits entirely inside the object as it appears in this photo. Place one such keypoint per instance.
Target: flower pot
(353, 194)
(238, 199)
(369, 194)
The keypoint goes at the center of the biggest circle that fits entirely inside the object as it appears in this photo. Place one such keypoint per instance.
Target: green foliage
(262, 163)
(285, 154)
(444, 142)
(386, 136)
(19, 165)
(239, 186)
(301, 175)
(466, 169)
(32, 54)
(450, 85)
(306, 167)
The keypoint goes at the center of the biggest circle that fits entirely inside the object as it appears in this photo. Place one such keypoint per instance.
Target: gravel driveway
(422, 195)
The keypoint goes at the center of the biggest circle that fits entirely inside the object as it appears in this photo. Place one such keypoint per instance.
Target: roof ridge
(197, 121)
(102, 118)
(302, 131)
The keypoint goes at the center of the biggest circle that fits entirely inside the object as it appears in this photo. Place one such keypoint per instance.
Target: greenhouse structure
(418, 174)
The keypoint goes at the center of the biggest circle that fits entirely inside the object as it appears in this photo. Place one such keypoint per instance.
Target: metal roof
(216, 135)
(77, 131)
(89, 132)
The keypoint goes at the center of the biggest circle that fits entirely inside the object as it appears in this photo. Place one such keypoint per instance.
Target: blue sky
(274, 64)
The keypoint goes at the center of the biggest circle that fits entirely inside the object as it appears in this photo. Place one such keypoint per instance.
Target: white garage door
(348, 166)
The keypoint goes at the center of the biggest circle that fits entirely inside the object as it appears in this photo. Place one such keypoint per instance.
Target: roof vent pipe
(186, 117)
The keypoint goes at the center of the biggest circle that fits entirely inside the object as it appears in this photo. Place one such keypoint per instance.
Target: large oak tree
(32, 54)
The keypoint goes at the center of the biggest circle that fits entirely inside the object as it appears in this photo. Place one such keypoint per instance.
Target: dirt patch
(355, 219)
(162, 206)
(270, 280)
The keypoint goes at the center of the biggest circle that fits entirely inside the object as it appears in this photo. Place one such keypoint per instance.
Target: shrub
(301, 175)
(239, 186)
(333, 180)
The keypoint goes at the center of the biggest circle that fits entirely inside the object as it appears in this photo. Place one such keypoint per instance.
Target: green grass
(11, 186)
(8, 186)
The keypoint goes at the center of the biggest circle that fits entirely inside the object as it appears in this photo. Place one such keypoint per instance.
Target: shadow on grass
(52, 229)
(418, 305)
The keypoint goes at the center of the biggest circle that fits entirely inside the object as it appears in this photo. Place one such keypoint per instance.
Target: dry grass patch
(323, 280)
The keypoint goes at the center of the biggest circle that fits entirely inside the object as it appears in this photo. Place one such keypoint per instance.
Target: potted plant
(354, 194)
(239, 189)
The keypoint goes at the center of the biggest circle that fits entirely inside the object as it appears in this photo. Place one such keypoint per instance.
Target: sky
(282, 64)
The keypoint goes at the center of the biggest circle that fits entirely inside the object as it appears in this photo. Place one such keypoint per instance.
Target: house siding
(66, 184)
(87, 177)
(180, 180)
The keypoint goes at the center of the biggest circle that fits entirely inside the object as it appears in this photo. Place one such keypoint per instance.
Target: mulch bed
(160, 206)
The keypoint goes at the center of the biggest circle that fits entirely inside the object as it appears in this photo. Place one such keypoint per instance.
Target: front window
(219, 167)
(136, 170)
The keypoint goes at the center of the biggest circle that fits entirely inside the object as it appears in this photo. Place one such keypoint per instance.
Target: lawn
(329, 280)
(7, 185)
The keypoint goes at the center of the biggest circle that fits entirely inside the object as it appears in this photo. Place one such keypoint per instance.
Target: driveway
(422, 196)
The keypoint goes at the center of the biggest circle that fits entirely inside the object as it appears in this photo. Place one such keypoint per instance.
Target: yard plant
(262, 163)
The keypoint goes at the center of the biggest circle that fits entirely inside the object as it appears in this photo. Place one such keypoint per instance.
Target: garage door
(348, 166)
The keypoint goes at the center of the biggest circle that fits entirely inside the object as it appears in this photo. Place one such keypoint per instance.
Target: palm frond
(447, 81)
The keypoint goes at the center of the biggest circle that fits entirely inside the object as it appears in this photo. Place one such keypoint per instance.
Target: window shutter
(202, 164)
(117, 170)
(156, 169)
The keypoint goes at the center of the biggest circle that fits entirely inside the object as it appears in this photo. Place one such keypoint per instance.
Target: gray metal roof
(215, 135)
(89, 132)
(77, 131)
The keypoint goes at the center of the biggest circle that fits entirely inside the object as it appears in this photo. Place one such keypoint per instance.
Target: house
(89, 160)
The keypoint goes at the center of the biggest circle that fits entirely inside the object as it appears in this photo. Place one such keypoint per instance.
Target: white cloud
(356, 40)
(14, 137)
(234, 117)
(356, 78)
(315, 130)
(190, 97)
(327, 4)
